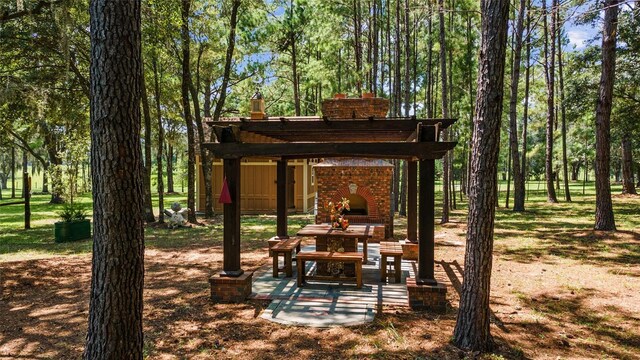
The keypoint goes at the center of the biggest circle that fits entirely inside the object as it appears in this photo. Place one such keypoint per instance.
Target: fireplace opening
(358, 205)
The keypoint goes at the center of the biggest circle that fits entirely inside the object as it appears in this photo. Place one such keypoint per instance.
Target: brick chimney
(355, 108)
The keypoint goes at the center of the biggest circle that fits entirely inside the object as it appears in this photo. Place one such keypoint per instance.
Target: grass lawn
(559, 289)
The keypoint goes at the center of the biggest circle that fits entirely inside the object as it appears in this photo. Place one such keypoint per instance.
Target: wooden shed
(258, 188)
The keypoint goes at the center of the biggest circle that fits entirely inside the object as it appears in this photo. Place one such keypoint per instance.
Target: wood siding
(258, 188)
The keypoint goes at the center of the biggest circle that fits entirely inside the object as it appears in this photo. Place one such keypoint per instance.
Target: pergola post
(412, 201)
(231, 237)
(281, 201)
(427, 227)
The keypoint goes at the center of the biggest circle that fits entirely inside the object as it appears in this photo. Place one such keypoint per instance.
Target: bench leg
(359, 274)
(397, 268)
(287, 264)
(300, 264)
(276, 255)
(383, 268)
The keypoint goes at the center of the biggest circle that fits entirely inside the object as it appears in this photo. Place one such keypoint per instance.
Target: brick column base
(409, 250)
(226, 289)
(427, 297)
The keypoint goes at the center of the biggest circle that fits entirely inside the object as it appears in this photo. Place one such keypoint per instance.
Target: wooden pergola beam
(307, 124)
(304, 150)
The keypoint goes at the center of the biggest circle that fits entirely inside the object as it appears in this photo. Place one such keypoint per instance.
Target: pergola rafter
(411, 139)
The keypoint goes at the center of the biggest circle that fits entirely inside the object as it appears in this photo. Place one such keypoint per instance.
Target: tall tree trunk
(509, 162)
(13, 172)
(628, 186)
(549, 77)
(186, 106)
(374, 71)
(205, 161)
(170, 182)
(471, 96)
(407, 60)
(565, 171)
(391, 80)
(357, 46)
(398, 63)
(115, 305)
(429, 61)
(294, 70)
(45, 177)
(604, 206)
(525, 111)
(518, 178)
(445, 113)
(217, 112)
(407, 101)
(146, 165)
(156, 90)
(472, 325)
(25, 164)
(403, 189)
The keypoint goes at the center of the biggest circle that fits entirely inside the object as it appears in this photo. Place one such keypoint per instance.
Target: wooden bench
(390, 250)
(345, 257)
(286, 248)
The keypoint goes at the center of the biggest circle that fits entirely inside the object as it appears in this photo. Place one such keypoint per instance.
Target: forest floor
(559, 290)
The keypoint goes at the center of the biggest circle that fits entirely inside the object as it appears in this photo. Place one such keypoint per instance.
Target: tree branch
(37, 9)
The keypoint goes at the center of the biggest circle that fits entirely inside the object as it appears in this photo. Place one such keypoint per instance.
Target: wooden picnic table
(330, 239)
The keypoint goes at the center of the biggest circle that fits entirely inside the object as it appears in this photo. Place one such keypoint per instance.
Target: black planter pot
(72, 230)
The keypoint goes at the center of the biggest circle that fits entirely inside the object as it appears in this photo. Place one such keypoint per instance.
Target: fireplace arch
(362, 192)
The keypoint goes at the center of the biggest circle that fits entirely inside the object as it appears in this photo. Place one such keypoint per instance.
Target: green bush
(72, 212)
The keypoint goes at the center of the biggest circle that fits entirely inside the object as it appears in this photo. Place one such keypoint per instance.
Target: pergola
(284, 138)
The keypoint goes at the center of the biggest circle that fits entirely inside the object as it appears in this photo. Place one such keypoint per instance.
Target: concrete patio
(328, 304)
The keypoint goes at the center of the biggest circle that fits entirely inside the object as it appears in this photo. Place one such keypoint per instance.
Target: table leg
(365, 250)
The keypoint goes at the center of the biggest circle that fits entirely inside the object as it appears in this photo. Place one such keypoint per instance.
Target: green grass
(556, 224)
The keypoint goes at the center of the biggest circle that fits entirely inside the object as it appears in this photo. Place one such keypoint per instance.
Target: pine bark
(205, 162)
(604, 206)
(563, 118)
(429, 60)
(628, 186)
(13, 172)
(186, 106)
(549, 55)
(525, 110)
(518, 178)
(146, 165)
(159, 151)
(472, 325)
(170, 182)
(115, 307)
(375, 54)
(25, 164)
(445, 113)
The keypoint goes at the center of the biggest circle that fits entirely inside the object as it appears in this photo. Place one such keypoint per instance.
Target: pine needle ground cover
(559, 289)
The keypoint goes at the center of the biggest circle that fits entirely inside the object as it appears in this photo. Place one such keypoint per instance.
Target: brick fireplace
(367, 185)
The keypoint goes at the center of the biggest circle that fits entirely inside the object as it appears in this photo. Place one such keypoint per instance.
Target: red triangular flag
(225, 194)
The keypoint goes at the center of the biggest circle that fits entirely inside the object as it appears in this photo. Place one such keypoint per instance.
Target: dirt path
(575, 299)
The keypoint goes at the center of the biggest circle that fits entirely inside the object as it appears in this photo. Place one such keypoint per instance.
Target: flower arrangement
(336, 215)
